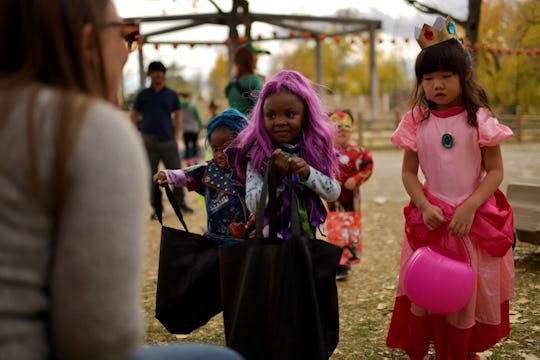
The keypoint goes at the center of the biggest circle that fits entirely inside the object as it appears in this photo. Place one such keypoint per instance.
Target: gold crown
(442, 30)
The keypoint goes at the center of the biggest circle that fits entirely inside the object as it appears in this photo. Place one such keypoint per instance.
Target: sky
(397, 16)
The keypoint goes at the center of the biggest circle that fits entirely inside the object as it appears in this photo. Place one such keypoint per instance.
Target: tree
(334, 59)
(218, 77)
(175, 80)
(346, 69)
(470, 24)
(511, 79)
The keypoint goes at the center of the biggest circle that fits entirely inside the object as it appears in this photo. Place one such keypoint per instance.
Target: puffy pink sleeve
(490, 131)
(405, 134)
(176, 177)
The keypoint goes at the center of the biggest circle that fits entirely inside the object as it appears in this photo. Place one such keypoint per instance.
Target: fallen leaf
(486, 354)
(379, 199)
(522, 301)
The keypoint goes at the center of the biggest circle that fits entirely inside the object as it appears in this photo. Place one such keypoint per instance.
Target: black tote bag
(188, 291)
(280, 297)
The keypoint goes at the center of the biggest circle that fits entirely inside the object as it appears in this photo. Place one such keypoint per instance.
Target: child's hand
(281, 162)
(433, 216)
(160, 178)
(350, 184)
(251, 221)
(299, 166)
(462, 220)
(284, 163)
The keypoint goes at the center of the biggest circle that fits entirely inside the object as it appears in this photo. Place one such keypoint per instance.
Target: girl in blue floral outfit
(224, 195)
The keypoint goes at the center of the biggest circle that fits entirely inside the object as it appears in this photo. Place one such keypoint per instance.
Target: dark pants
(190, 142)
(167, 152)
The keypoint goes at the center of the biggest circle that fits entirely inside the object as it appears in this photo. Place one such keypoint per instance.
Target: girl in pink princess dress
(452, 135)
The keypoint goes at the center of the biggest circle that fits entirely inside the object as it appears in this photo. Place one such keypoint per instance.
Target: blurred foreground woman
(73, 186)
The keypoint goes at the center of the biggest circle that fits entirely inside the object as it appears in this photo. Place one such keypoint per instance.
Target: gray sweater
(94, 288)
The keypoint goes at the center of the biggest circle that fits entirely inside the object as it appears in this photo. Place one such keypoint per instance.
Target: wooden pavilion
(308, 27)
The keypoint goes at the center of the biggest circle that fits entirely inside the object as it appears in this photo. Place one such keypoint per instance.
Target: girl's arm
(463, 217)
(173, 177)
(254, 184)
(327, 188)
(431, 214)
(364, 169)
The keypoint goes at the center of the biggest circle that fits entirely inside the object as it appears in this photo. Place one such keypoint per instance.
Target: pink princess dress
(449, 154)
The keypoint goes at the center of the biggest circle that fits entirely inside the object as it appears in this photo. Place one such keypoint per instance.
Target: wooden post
(360, 128)
(373, 79)
(397, 118)
(142, 71)
(519, 118)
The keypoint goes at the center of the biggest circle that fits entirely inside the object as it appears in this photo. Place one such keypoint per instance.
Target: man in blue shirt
(151, 113)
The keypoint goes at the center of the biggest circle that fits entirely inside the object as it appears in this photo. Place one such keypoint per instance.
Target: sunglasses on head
(130, 32)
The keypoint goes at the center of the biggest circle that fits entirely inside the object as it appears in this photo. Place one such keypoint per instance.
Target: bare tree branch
(216, 6)
(431, 10)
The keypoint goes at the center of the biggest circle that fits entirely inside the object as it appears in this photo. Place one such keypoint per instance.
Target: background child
(453, 136)
(212, 109)
(290, 126)
(224, 196)
(355, 167)
(191, 127)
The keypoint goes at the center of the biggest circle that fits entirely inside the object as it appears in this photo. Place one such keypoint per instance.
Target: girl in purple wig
(290, 126)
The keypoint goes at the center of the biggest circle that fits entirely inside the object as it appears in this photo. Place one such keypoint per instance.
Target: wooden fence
(375, 134)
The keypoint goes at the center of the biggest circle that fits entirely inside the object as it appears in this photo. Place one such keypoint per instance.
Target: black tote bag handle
(159, 206)
(296, 227)
(268, 192)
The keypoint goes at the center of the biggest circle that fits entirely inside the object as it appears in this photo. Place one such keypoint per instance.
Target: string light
(306, 35)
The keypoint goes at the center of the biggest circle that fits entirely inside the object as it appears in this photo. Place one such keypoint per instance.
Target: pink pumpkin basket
(437, 280)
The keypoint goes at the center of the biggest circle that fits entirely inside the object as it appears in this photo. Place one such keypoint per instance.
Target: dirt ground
(366, 297)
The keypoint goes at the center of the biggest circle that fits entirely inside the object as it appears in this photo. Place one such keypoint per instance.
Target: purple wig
(316, 144)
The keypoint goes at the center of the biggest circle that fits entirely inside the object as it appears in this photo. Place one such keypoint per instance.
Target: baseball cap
(256, 50)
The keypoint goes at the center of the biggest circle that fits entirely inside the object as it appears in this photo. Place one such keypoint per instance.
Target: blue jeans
(188, 351)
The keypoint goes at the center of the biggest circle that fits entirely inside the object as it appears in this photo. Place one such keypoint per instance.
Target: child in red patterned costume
(355, 167)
